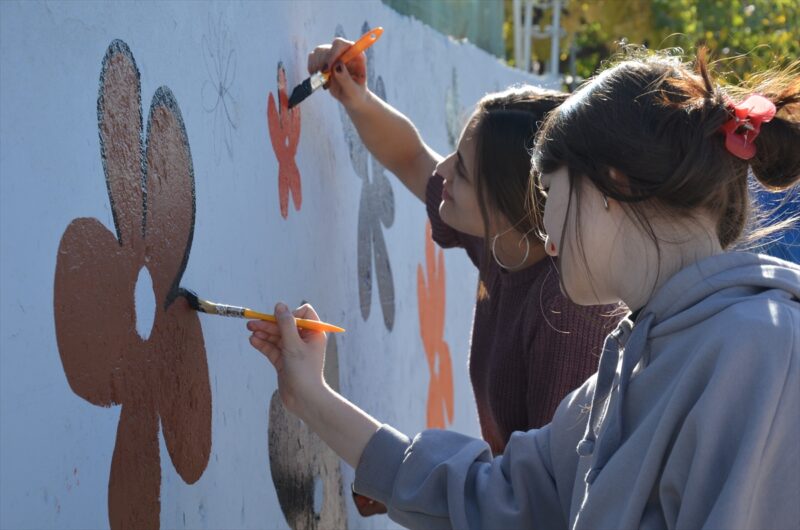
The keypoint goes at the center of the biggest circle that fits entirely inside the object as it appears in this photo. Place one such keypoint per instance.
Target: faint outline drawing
(376, 208)
(219, 57)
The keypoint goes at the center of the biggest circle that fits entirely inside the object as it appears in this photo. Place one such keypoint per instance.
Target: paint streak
(161, 382)
(453, 112)
(284, 132)
(298, 459)
(431, 299)
(219, 57)
(376, 208)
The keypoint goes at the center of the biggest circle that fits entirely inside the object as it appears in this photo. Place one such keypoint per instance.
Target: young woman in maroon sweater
(530, 345)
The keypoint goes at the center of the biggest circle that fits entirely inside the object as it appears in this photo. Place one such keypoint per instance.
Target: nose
(443, 168)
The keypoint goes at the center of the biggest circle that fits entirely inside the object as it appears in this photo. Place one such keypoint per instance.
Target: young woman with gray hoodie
(691, 420)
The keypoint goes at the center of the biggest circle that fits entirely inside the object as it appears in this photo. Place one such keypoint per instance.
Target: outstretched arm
(389, 135)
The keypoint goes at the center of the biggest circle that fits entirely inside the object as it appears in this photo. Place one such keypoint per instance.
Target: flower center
(145, 302)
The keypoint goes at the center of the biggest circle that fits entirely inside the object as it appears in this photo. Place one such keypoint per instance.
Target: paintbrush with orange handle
(317, 80)
(212, 308)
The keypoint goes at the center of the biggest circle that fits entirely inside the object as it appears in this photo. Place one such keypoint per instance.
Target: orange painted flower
(284, 132)
(163, 378)
(431, 298)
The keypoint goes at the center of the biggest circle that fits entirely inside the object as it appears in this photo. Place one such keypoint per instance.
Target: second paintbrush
(319, 79)
(212, 308)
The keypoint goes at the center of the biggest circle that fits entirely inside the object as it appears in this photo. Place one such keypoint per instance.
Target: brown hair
(504, 126)
(656, 120)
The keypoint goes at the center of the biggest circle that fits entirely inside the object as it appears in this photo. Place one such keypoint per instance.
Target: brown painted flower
(151, 189)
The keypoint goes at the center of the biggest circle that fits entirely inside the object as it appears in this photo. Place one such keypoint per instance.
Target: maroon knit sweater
(530, 345)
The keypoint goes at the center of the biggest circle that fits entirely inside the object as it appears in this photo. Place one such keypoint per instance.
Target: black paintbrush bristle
(194, 301)
(191, 297)
(300, 92)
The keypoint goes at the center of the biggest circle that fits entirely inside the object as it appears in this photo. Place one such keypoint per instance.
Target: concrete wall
(144, 147)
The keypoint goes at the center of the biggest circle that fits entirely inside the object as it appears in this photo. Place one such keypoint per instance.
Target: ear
(618, 176)
(620, 179)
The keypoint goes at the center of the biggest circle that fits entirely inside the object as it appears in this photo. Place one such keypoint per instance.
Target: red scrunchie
(743, 128)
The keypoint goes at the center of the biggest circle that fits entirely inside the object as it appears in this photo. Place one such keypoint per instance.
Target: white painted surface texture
(220, 61)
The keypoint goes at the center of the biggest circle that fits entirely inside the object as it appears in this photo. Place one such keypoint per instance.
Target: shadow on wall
(375, 210)
(163, 376)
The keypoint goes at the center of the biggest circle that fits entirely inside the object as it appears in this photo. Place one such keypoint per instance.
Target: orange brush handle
(303, 323)
(366, 40)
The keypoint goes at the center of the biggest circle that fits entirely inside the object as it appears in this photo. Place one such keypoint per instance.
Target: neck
(692, 244)
(511, 249)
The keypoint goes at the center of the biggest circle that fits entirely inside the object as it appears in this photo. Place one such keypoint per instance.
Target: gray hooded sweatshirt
(692, 421)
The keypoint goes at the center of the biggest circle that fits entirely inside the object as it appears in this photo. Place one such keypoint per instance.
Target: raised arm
(387, 134)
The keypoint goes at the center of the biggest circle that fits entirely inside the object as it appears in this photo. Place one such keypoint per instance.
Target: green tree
(747, 36)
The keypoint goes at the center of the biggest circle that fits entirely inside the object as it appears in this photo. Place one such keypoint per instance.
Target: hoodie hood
(690, 297)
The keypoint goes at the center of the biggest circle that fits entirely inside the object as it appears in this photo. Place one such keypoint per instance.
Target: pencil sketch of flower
(376, 208)
(160, 380)
(220, 61)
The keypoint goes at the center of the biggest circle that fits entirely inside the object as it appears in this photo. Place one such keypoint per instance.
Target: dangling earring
(494, 250)
(552, 248)
(605, 202)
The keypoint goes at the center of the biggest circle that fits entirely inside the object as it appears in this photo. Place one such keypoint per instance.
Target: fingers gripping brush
(319, 79)
(212, 308)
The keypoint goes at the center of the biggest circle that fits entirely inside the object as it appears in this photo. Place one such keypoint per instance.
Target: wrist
(313, 399)
(361, 103)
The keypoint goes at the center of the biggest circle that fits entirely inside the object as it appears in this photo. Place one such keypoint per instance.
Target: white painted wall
(55, 447)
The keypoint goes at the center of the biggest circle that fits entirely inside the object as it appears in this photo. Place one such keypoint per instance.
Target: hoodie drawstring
(631, 340)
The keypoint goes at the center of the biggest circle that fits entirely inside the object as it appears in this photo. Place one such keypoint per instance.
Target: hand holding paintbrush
(346, 52)
(213, 308)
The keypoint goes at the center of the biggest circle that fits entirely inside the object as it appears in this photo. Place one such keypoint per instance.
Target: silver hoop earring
(500, 263)
(605, 202)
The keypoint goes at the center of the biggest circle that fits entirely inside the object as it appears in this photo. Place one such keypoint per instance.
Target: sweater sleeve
(443, 234)
(564, 348)
(735, 462)
(442, 479)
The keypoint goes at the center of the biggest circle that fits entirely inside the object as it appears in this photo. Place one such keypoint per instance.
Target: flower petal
(119, 118)
(184, 389)
(94, 311)
(170, 207)
(134, 488)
